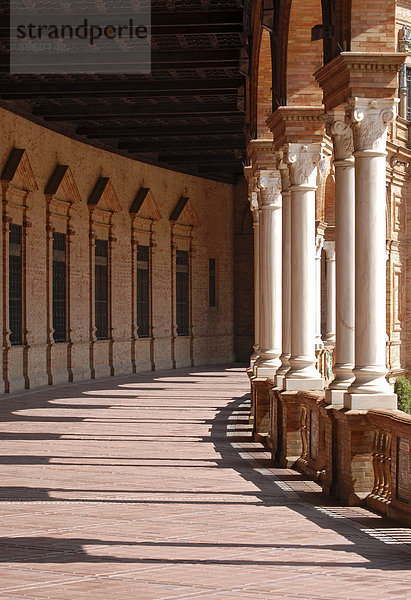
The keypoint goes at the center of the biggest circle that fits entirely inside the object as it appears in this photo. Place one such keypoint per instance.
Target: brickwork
(373, 26)
(304, 57)
(264, 97)
(38, 360)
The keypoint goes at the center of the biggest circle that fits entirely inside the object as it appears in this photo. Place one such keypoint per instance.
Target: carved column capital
(370, 120)
(282, 166)
(329, 248)
(338, 124)
(303, 161)
(269, 183)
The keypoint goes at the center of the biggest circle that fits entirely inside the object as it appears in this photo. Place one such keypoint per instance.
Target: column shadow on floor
(48, 549)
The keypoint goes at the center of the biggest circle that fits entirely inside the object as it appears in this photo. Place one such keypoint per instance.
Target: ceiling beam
(171, 20)
(35, 89)
(95, 111)
(161, 131)
(200, 158)
(160, 59)
(232, 143)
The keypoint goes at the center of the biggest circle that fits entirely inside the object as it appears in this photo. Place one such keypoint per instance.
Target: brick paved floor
(149, 487)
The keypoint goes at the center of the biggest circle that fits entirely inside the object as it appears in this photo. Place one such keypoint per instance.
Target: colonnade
(287, 256)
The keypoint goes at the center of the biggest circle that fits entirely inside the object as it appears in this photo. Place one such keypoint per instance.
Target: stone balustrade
(391, 461)
(359, 456)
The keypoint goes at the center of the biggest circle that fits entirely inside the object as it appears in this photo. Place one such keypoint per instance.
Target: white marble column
(270, 230)
(341, 133)
(303, 161)
(256, 219)
(329, 337)
(286, 273)
(319, 243)
(370, 389)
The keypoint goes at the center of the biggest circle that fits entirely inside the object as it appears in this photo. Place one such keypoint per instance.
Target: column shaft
(286, 276)
(341, 134)
(270, 235)
(303, 160)
(329, 338)
(319, 242)
(370, 388)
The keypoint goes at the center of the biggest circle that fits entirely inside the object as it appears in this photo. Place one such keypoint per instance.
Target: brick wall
(210, 202)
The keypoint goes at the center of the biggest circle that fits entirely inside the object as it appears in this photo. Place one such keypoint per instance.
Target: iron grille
(143, 292)
(211, 283)
(182, 300)
(15, 285)
(101, 289)
(59, 287)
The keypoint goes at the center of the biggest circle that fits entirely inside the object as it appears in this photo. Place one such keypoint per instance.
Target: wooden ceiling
(185, 115)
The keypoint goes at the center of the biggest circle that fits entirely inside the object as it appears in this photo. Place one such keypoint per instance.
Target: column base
(303, 384)
(368, 401)
(279, 381)
(335, 397)
(267, 372)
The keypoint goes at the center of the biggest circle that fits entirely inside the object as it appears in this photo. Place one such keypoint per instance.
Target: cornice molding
(359, 74)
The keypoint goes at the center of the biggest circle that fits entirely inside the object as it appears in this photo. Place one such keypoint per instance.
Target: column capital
(338, 125)
(303, 161)
(370, 119)
(329, 248)
(269, 183)
(282, 166)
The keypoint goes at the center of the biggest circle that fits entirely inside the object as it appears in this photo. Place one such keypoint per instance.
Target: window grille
(101, 289)
(15, 286)
(143, 292)
(211, 283)
(182, 292)
(59, 287)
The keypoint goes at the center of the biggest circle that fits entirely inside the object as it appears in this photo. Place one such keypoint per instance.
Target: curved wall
(85, 206)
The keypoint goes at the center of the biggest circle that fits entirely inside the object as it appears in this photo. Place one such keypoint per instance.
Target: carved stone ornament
(253, 201)
(370, 119)
(303, 160)
(338, 123)
(270, 188)
(284, 172)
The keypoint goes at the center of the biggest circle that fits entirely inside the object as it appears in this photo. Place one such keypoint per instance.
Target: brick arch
(304, 57)
(373, 25)
(264, 104)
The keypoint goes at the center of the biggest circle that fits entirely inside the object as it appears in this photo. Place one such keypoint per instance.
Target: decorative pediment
(18, 172)
(62, 186)
(184, 214)
(144, 206)
(103, 197)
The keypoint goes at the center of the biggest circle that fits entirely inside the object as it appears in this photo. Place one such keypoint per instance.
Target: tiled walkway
(148, 487)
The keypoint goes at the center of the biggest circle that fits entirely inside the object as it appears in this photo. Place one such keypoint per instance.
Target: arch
(304, 57)
(373, 25)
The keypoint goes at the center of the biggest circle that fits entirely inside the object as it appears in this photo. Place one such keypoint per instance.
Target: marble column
(256, 219)
(341, 133)
(270, 230)
(370, 389)
(319, 244)
(303, 160)
(286, 273)
(329, 337)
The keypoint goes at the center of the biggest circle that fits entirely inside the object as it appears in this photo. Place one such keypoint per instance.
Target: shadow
(310, 505)
(270, 491)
